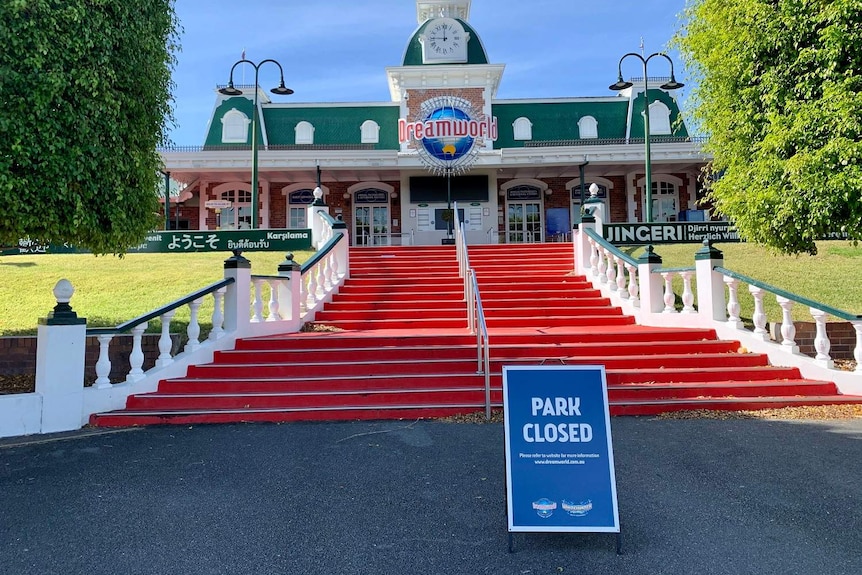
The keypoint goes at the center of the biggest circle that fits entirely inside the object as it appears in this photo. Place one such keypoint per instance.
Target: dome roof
(475, 50)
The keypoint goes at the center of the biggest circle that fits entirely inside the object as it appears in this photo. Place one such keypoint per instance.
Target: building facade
(518, 169)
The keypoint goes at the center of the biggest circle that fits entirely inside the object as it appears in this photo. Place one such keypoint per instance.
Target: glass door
(524, 222)
(371, 226)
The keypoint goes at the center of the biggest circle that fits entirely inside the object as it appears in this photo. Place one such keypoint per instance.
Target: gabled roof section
(555, 120)
(241, 104)
(677, 125)
(476, 53)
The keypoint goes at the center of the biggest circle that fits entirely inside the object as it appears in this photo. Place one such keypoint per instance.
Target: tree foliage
(85, 98)
(779, 95)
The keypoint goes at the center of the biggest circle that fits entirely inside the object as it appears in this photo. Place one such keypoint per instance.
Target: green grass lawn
(110, 290)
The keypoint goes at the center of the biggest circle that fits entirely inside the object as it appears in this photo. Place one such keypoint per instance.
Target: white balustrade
(602, 269)
(594, 257)
(103, 365)
(610, 270)
(136, 358)
(218, 314)
(788, 330)
(687, 293)
(633, 284)
(273, 300)
(165, 341)
(821, 340)
(194, 329)
(621, 277)
(733, 308)
(257, 306)
(669, 296)
(759, 315)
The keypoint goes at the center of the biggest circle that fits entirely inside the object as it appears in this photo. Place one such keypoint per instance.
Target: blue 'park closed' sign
(559, 456)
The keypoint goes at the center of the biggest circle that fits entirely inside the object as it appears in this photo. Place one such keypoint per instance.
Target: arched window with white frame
(588, 128)
(304, 133)
(659, 118)
(523, 129)
(370, 132)
(234, 127)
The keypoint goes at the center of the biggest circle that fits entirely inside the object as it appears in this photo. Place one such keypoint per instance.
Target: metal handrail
(476, 321)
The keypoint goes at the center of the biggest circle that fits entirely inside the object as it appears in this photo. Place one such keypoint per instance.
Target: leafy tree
(85, 95)
(779, 95)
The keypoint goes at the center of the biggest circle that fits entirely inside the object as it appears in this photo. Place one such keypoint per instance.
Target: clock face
(445, 39)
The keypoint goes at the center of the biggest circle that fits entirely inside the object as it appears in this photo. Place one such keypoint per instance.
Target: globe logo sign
(449, 135)
(448, 148)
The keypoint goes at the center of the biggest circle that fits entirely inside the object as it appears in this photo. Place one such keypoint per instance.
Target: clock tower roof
(475, 49)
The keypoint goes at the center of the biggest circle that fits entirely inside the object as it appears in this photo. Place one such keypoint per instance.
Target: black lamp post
(231, 91)
(621, 85)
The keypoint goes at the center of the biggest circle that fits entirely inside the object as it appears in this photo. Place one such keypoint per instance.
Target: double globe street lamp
(230, 90)
(670, 85)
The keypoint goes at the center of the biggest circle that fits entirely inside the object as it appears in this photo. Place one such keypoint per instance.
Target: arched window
(370, 132)
(588, 127)
(234, 127)
(523, 128)
(659, 118)
(304, 133)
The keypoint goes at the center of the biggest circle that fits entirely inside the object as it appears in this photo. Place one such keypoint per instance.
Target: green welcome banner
(669, 233)
(189, 241)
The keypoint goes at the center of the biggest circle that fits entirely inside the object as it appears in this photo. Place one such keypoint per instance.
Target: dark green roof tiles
(559, 120)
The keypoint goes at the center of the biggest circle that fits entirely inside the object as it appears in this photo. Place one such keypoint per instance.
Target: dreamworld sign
(448, 134)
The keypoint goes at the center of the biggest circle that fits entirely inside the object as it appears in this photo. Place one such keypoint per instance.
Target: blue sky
(338, 50)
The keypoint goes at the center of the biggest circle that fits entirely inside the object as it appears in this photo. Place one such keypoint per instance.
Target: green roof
(334, 125)
(475, 50)
(559, 120)
(677, 125)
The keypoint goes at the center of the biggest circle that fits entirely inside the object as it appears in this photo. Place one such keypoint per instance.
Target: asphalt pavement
(392, 497)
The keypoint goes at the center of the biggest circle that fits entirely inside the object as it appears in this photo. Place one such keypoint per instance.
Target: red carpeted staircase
(394, 344)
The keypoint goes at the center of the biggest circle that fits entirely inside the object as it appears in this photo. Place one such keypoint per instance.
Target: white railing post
(165, 342)
(633, 284)
(218, 314)
(60, 345)
(238, 294)
(788, 330)
(668, 297)
(759, 315)
(194, 330)
(652, 298)
(103, 365)
(822, 344)
(136, 357)
(258, 300)
(318, 228)
(687, 293)
(733, 307)
(710, 288)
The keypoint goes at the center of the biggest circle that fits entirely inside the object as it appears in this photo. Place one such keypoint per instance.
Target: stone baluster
(822, 345)
(103, 365)
(687, 293)
(194, 329)
(594, 258)
(136, 358)
(321, 281)
(273, 300)
(669, 297)
(732, 302)
(621, 278)
(602, 269)
(610, 271)
(633, 284)
(311, 288)
(165, 342)
(759, 315)
(257, 306)
(788, 330)
(218, 314)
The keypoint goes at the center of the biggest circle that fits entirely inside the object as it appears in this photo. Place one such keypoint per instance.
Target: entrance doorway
(524, 222)
(371, 225)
